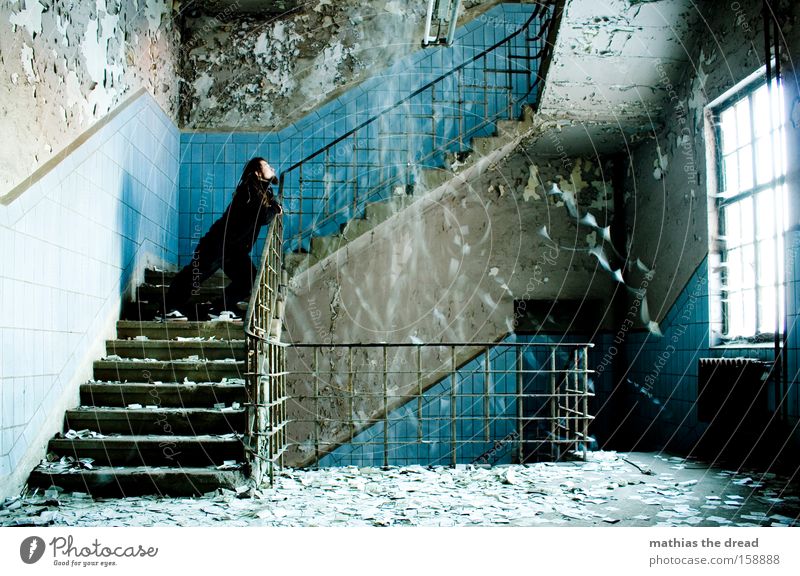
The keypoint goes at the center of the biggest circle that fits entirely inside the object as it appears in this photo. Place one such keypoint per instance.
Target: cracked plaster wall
(245, 72)
(667, 214)
(448, 268)
(67, 64)
(667, 185)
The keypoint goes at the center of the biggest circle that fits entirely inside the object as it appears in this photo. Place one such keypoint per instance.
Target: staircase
(164, 414)
(507, 132)
(446, 121)
(147, 303)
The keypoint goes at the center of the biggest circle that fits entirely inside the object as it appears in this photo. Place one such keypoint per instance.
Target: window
(752, 213)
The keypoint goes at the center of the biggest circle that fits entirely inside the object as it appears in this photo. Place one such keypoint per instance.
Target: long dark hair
(249, 168)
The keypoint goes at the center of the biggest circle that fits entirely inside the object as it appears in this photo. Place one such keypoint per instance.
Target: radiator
(731, 389)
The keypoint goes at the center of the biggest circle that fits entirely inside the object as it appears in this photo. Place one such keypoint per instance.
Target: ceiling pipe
(441, 8)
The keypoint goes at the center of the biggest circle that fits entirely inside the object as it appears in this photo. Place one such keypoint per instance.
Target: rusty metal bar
(351, 391)
(486, 388)
(265, 439)
(564, 413)
(520, 407)
(453, 411)
(314, 370)
(554, 453)
(419, 396)
(385, 407)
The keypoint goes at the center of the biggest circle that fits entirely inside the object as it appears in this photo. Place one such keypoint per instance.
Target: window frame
(719, 200)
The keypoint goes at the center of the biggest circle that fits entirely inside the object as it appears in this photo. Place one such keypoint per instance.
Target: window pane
(746, 168)
(731, 175)
(749, 266)
(733, 227)
(743, 121)
(779, 157)
(748, 313)
(765, 163)
(746, 226)
(766, 213)
(753, 154)
(733, 272)
(766, 310)
(761, 112)
(733, 315)
(727, 123)
(767, 262)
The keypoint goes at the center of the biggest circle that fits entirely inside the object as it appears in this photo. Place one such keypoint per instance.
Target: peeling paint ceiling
(242, 6)
(612, 58)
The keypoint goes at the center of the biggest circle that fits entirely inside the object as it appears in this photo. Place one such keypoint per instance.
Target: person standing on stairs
(227, 245)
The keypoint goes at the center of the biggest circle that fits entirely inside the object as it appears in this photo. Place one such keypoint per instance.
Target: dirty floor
(610, 489)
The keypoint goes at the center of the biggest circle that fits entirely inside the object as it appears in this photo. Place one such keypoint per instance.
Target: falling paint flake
(26, 55)
(532, 185)
(30, 18)
(453, 266)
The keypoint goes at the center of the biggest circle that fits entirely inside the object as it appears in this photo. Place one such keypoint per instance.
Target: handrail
(437, 344)
(374, 399)
(355, 169)
(422, 89)
(254, 295)
(265, 432)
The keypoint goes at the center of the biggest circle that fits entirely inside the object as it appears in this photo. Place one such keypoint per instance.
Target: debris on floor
(607, 490)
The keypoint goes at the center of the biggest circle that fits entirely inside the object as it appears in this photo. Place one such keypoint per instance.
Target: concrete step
(172, 330)
(510, 128)
(119, 482)
(355, 228)
(132, 371)
(156, 293)
(429, 179)
(163, 278)
(322, 246)
(164, 395)
(377, 212)
(432, 178)
(144, 421)
(162, 450)
(175, 349)
(482, 146)
(150, 310)
(297, 261)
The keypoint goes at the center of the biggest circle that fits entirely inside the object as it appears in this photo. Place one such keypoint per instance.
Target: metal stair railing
(377, 398)
(265, 432)
(372, 161)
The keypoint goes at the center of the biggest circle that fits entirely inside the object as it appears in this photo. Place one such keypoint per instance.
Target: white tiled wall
(69, 246)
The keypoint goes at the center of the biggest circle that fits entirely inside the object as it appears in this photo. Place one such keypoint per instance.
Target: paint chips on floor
(607, 490)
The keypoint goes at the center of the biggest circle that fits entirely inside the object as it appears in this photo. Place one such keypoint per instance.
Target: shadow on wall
(129, 221)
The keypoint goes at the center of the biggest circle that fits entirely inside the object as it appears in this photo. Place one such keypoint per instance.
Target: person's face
(265, 171)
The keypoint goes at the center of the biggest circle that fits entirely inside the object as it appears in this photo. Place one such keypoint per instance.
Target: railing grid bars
(265, 435)
(454, 120)
(446, 403)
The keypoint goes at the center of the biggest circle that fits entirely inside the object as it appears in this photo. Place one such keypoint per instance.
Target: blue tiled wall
(68, 248)
(661, 388)
(211, 163)
(432, 443)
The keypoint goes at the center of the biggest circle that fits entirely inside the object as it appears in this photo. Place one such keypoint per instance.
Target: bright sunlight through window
(753, 215)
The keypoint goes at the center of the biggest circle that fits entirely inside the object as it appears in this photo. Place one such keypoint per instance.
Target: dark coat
(253, 206)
